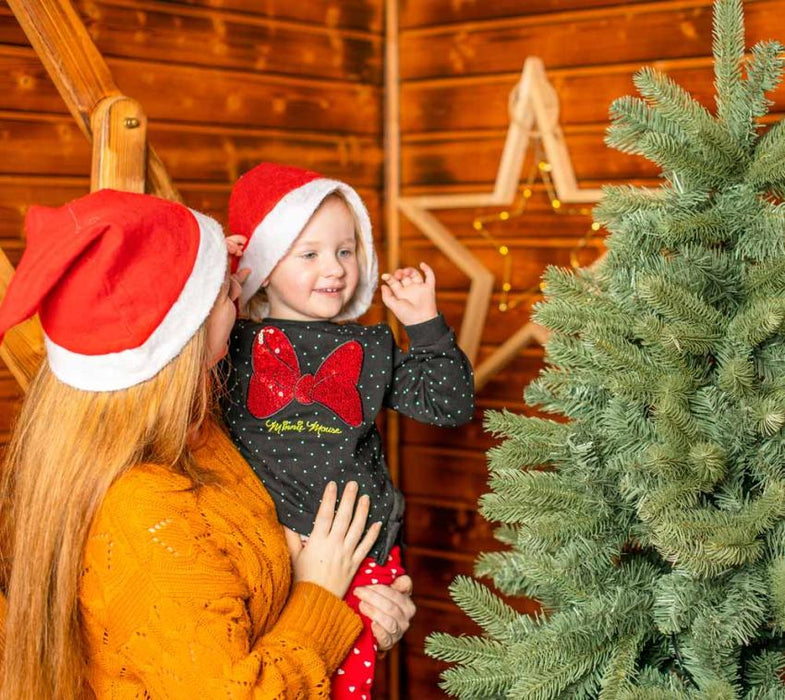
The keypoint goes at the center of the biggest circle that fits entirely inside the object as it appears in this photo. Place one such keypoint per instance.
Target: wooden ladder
(114, 123)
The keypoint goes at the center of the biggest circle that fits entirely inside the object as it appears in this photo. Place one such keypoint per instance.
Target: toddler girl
(305, 387)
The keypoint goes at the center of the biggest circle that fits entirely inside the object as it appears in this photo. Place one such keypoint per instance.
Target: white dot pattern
(432, 383)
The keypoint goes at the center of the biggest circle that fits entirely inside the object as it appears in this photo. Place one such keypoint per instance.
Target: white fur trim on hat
(120, 370)
(276, 233)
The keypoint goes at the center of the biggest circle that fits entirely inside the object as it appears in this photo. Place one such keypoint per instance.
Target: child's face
(320, 273)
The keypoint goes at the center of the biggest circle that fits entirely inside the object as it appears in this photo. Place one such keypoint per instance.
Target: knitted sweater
(186, 592)
(303, 398)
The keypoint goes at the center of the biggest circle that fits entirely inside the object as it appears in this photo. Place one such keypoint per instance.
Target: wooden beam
(78, 70)
(392, 191)
(119, 129)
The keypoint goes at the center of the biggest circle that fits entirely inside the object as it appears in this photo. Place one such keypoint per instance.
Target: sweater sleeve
(433, 382)
(163, 600)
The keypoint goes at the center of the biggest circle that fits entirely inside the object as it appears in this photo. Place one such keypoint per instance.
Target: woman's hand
(390, 609)
(336, 546)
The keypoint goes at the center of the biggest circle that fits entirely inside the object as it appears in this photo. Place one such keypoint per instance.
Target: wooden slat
(444, 161)
(55, 146)
(79, 72)
(446, 105)
(421, 675)
(355, 14)
(448, 528)
(459, 476)
(437, 188)
(507, 387)
(435, 574)
(18, 193)
(417, 13)
(643, 32)
(544, 229)
(204, 96)
(529, 262)
(156, 30)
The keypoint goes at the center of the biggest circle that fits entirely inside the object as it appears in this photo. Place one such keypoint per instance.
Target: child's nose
(334, 268)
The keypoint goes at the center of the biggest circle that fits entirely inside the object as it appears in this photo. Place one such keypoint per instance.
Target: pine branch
(728, 57)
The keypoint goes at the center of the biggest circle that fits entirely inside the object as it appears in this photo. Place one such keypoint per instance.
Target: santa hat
(121, 283)
(271, 204)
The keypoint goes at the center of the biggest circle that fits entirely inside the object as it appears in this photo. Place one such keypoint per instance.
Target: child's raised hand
(336, 547)
(409, 296)
(235, 245)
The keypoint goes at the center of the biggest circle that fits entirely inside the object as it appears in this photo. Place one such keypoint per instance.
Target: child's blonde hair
(68, 447)
(258, 305)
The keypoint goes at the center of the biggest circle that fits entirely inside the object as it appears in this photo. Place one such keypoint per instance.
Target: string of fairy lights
(541, 169)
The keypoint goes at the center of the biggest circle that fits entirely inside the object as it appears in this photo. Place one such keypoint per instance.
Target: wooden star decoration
(534, 110)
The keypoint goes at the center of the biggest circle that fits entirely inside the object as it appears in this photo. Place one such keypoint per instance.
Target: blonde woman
(142, 558)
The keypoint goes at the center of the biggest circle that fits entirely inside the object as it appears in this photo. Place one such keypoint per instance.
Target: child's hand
(236, 244)
(410, 297)
(336, 547)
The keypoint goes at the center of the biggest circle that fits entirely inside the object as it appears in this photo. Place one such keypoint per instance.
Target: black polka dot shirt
(299, 447)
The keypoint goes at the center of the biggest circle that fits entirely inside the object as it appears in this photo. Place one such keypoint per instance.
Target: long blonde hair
(68, 447)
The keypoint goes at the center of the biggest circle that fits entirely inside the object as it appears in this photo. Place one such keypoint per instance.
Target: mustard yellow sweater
(187, 592)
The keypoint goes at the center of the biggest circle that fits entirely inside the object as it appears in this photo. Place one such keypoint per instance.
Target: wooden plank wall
(225, 84)
(459, 60)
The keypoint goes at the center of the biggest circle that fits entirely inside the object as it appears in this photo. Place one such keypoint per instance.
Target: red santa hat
(121, 283)
(271, 204)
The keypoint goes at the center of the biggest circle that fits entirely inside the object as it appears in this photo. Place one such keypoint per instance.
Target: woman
(143, 557)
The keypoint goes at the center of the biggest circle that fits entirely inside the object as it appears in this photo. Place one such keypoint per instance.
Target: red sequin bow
(277, 380)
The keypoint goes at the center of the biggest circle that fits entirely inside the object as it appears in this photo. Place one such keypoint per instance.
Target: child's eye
(346, 253)
(308, 256)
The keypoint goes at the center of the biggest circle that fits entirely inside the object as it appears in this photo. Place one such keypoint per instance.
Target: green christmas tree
(651, 522)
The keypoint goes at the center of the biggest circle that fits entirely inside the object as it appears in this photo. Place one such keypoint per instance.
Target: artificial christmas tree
(651, 523)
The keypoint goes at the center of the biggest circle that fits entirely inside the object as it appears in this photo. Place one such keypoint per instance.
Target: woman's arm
(165, 604)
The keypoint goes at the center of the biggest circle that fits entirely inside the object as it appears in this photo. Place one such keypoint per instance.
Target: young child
(304, 390)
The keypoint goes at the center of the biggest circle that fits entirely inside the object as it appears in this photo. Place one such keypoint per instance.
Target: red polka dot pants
(354, 678)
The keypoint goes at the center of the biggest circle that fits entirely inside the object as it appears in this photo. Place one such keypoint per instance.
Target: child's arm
(433, 382)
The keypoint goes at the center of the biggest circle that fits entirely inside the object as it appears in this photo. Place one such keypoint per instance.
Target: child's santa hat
(121, 283)
(271, 204)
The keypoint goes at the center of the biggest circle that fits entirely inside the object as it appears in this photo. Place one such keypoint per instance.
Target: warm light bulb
(504, 215)
(555, 203)
(527, 193)
(506, 287)
(504, 250)
(595, 226)
(502, 307)
(477, 225)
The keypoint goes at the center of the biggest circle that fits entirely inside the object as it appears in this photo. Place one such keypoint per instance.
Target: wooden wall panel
(448, 104)
(644, 31)
(459, 61)
(364, 15)
(225, 84)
